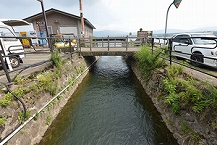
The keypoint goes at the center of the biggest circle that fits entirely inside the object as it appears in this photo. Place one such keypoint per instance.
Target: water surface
(110, 107)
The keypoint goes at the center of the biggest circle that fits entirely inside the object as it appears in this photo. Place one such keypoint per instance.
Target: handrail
(109, 42)
(170, 40)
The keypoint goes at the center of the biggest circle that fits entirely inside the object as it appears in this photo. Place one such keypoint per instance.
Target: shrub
(149, 61)
(56, 59)
(2, 121)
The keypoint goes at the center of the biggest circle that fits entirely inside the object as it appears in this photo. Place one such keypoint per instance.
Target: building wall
(56, 20)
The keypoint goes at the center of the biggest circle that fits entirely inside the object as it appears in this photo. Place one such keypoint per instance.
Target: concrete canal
(110, 107)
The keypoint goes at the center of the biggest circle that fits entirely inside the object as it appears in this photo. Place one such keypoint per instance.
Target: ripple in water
(109, 108)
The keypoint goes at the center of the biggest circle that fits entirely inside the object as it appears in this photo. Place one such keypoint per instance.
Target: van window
(7, 33)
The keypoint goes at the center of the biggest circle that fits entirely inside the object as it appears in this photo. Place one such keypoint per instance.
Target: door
(68, 30)
(182, 45)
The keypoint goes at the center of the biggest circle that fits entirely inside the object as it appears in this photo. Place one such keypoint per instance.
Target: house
(59, 22)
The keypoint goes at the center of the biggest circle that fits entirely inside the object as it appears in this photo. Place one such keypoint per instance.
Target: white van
(11, 47)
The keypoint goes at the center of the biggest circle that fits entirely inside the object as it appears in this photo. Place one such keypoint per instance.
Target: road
(32, 58)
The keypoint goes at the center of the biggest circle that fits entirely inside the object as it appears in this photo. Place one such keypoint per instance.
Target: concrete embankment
(42, 107)
(189, 128)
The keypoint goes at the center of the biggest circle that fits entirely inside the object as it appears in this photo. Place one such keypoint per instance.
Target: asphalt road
(33, 61)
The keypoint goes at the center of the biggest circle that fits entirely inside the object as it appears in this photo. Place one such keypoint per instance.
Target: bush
(56, 59)
(149, 61)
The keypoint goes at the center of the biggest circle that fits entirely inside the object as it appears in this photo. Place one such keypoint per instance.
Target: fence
(109, 42)
(33, 56)
(197, 59)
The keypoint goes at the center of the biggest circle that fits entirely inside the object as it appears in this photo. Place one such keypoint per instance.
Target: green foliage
(53, 89)
(175, 70)
(36, 88)
(72, 81)
(149, 61)
(56, 59)
(45, 82)
(5, 103)
(57, 73)
(20, 80)
(8, 98)
(176, 107)
(48, 119)
(21, 116)
(51, 104)
(185, 128)
(79, 69)
(2, 121)
(212, 95)
(185, 90)
(21, 91)
(36, 116)
(59, 97)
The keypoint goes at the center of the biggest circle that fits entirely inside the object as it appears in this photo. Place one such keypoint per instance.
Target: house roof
(52, 10)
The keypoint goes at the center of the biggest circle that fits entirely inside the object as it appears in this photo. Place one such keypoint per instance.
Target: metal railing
(170, 51)
(40, 53)
(109, 42)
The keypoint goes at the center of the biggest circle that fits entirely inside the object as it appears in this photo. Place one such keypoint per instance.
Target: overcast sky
(123, 15)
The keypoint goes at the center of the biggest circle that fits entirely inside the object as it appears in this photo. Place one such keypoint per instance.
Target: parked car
(62, 41)
(65, 44)
(200, 48)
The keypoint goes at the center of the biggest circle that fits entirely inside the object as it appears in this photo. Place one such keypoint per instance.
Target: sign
(41, 26)
(24, 41)
(177, 3)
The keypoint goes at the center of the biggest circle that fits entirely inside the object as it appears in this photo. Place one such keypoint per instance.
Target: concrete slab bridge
(108, 46)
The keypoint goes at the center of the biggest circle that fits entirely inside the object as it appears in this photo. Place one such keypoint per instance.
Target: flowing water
(110, 107)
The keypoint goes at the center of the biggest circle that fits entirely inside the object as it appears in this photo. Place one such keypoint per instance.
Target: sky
(123, 15)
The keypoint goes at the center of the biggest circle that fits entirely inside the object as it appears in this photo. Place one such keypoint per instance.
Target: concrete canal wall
(42, 108)
(202, 126)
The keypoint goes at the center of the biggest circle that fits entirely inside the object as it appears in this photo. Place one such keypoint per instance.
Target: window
(204, 41)
(177, 38)
(7, 33)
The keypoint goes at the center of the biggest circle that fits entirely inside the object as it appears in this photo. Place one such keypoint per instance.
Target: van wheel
(197, 59)
(15, 61)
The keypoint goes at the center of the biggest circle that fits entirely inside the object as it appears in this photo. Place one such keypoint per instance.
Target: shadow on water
(110, 107)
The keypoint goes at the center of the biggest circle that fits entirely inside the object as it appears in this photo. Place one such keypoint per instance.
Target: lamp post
(176, 3)
(45, 19)
(166, 22)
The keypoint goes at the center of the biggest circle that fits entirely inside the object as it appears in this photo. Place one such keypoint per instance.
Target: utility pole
(82, 18)
(45, 21)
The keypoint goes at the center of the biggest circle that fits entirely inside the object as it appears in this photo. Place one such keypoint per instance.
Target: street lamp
(176, 3)
(45, 19)
(166, 22)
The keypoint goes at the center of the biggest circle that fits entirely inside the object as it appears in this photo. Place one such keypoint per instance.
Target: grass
(2, 121)
(183, 90)
(21, 116)
(56, 59)
(149, 61)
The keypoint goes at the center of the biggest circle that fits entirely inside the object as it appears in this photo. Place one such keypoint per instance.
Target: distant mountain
(106, 33)
(161, 32)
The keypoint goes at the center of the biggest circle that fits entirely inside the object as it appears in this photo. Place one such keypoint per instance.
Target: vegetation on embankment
(44, 94)
(188, 106)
